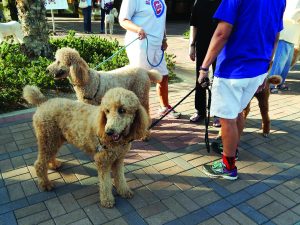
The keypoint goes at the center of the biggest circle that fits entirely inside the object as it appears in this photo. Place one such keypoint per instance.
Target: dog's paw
(265, 135)
(147, 136)
(54, 165)
(107, 203)
(126, 194)
(46, 186)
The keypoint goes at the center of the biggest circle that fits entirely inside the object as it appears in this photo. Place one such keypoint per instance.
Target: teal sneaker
(218, 169)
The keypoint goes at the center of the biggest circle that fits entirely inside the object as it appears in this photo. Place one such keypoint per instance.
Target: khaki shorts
(231, 96)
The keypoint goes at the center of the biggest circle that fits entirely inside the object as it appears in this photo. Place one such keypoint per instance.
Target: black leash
(204, 84)
(163, 116)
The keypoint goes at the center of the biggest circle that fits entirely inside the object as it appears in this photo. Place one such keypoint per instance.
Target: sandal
(196, 118)
(216, 122)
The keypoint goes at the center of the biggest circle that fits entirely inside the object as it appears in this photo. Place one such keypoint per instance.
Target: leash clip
(99, 148)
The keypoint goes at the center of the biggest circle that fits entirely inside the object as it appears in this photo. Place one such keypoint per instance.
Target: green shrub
(17, 70)
(186, 34)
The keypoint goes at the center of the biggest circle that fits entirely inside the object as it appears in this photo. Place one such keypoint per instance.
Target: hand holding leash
(203, 74)
(141, 33)
(205, 82)
(164, 45)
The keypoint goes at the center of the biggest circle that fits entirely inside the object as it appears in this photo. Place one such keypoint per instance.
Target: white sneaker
(173, 114)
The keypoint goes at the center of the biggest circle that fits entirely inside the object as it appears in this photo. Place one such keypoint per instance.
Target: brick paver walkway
(165, 173)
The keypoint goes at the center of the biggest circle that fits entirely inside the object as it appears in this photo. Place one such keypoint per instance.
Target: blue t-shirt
(248, 50)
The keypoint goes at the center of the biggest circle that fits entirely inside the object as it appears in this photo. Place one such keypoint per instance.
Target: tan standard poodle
(263, 103)
(90, 85)
(104, 132)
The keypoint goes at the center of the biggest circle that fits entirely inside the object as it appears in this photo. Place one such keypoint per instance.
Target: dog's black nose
(47, 71)
(110, 132)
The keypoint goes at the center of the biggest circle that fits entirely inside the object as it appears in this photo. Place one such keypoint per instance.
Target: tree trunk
(10, 10)
(32, 15)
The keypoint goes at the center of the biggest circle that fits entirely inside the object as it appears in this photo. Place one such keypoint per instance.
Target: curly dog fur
(91, 85)
(263, 103)
(104, 132)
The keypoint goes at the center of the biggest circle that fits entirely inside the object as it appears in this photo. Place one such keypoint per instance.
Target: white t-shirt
(148, 14)
(291, 19)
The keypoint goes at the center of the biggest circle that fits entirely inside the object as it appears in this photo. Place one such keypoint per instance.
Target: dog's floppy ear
(139, 127)
(79, 72)
(101, 124)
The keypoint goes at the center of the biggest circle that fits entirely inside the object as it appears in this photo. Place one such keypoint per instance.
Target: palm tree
(9, 10)
(32, 15)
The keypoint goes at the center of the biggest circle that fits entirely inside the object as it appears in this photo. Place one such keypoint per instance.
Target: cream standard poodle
(104, 132)
(91, 85)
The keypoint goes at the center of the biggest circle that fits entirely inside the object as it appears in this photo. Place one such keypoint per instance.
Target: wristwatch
(204, 69)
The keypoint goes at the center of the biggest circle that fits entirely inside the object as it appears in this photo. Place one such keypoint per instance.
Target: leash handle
(161, 58)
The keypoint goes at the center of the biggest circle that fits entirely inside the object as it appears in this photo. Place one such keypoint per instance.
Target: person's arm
(219, 39)
(192, 45)
(129, 25)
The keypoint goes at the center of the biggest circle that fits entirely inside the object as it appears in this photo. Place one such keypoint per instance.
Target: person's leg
(289, 50)
(240, 125)
(226, 102)
(200, 94)
(162, 91)
(89, 19)
(102, 20)
(279, 61)
(85, 18)
(230, 136)
(162, 88)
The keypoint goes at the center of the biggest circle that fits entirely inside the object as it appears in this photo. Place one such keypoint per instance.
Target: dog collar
(84, 97)
(100, 147)
(93, 96)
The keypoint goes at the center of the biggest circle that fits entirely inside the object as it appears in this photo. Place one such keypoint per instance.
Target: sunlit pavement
(165, 172)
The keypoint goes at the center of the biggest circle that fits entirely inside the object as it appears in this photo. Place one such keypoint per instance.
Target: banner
(56, 4)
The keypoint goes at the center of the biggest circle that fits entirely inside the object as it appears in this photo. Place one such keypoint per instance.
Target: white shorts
(138, 57)
(231, 96)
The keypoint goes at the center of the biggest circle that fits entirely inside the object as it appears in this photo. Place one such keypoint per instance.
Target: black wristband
(204, 69)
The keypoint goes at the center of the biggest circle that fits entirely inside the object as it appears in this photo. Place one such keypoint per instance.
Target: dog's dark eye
(121, 111)
(107, 110)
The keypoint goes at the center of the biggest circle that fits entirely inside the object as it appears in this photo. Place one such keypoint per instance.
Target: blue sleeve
(228, 11)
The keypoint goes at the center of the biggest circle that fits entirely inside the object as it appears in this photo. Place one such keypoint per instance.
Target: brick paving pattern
(165, 172)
